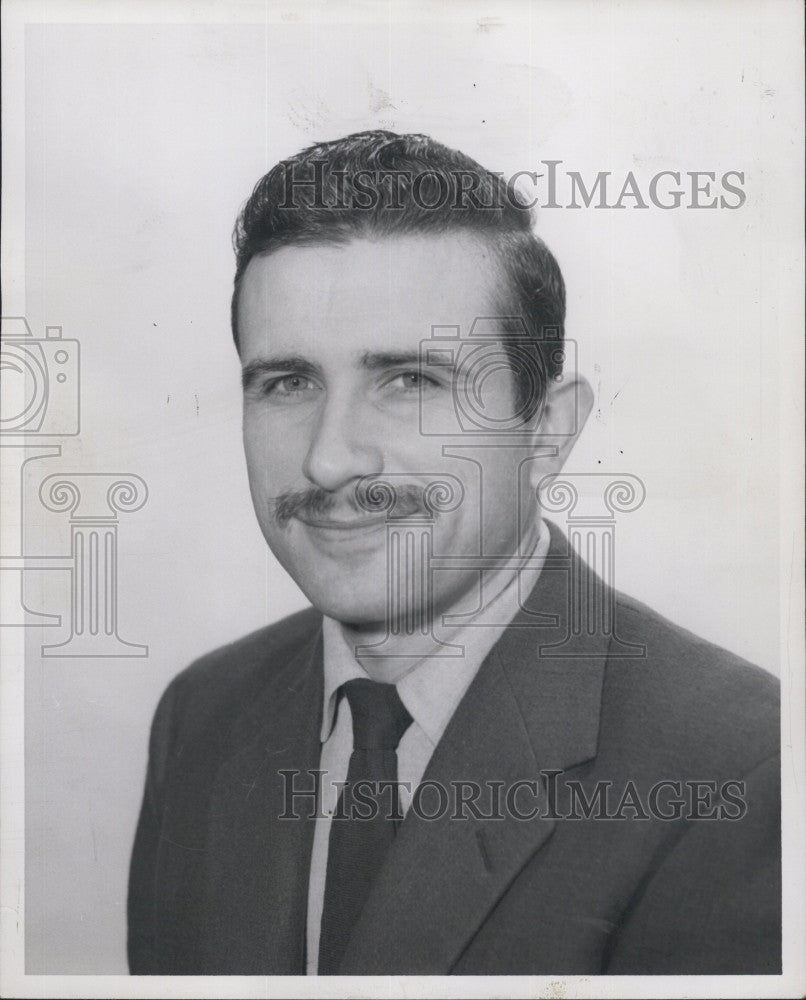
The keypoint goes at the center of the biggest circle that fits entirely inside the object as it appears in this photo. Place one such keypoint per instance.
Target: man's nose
(344, 447)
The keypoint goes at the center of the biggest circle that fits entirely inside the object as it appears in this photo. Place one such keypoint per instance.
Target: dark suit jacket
(218, 883)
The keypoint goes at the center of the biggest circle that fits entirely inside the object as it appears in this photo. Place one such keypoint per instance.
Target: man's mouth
(345, 524)
(372, 507)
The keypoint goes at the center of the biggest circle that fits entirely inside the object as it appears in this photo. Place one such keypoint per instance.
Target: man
(469, 756)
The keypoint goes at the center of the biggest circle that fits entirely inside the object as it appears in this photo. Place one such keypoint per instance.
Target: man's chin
(364, 608)
(349, 609)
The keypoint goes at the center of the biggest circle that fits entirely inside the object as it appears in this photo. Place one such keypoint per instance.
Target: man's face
(334, 391)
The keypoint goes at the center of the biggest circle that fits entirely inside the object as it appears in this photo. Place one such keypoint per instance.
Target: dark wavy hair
(381, 184)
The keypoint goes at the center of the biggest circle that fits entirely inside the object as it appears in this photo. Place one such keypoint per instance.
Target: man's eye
(290, 386)
(413, 381)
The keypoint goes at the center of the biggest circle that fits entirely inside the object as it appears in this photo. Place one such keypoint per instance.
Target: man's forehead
(382, 289)
(408, 252)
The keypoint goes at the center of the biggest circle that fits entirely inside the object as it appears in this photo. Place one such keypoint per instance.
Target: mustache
(364, 500)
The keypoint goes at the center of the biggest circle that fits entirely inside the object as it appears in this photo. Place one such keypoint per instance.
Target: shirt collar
(432, 688)
(340, 666)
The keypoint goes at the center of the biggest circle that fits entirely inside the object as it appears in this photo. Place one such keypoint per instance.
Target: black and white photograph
(402, 499)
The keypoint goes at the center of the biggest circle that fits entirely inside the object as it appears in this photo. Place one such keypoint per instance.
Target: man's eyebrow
(281, 363)
(380, 360)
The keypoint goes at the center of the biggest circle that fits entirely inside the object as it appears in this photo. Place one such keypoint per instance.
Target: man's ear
(568, 405)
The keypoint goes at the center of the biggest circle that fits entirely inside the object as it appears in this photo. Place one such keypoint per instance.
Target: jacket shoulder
(688, 696)
(230, 675)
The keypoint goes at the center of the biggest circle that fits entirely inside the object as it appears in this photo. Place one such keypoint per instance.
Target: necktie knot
(379, 716)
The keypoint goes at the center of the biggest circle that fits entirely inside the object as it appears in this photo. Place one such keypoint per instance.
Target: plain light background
(141, 143)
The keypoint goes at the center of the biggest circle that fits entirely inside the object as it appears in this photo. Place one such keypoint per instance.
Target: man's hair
(381, 184)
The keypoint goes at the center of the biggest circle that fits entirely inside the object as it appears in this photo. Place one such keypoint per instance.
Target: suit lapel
(257, 863)
(525, 712)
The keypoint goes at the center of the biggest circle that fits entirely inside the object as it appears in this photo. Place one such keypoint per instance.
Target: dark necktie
(359, 841)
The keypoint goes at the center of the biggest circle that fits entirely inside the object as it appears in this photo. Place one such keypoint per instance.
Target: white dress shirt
(431, 690)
